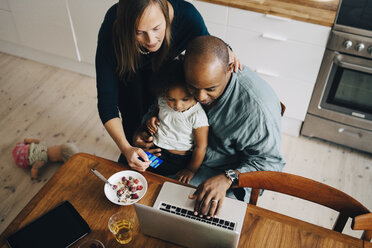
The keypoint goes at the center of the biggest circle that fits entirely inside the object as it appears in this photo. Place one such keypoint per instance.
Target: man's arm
(260, 151)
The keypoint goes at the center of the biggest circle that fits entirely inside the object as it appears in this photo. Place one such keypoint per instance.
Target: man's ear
(230, 68)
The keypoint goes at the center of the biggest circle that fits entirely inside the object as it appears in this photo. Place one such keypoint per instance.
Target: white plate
(116, 178)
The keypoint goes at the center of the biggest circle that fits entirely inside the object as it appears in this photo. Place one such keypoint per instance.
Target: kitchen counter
(321, 12)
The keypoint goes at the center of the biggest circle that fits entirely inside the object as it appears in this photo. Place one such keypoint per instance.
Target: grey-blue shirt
(245, 130)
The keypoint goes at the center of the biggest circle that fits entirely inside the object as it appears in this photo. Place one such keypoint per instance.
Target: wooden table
(76, 183)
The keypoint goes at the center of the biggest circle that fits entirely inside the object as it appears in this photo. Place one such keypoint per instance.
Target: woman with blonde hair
(135, 39)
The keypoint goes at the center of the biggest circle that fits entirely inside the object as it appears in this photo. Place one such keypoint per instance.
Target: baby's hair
(170, 75)
(68, 150)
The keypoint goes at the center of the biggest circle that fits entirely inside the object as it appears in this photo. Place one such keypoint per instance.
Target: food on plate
(128, 189)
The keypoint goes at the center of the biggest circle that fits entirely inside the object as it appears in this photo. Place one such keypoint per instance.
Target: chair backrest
(363, 222)
(283, 108)
(303, 188)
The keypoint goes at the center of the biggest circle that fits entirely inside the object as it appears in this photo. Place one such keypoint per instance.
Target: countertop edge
(327, 15)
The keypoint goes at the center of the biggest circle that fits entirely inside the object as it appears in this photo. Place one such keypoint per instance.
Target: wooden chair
(363, 222)
(304, 188)
(283, 108)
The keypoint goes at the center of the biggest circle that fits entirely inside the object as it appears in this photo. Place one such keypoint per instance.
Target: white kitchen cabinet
(216, 30)
(286, 53)
(8, 30)
(210, 12)
(282, 28)
(4, 5)
(215, 17)
(45, 26)
(294, 93)
(283, 58)
(87, 17)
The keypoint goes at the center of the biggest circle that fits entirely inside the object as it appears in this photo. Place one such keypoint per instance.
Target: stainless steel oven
(340, 109)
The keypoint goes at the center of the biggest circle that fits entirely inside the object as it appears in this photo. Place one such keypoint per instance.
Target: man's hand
(185, 175)
(132, 154)
(210, 196)
(144, 140)
(152, 125)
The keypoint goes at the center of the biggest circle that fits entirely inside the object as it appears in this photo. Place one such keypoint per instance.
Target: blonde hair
(126, 46)
(68, 150)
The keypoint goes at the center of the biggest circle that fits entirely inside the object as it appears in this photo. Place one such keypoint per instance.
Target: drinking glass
(121, 225)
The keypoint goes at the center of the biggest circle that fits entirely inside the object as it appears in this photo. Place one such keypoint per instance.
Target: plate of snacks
(128, 187)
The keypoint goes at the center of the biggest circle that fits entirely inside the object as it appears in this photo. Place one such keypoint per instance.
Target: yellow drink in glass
(122, 230)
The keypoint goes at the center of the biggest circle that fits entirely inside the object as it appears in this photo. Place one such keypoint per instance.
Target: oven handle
(340, 60)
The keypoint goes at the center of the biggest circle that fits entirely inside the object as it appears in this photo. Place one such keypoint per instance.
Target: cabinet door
(281, 57)
(282, 27)
(4, 5)
(215, 17)
(8, 30)
(87, 17)
(294, 93)
(44, 25)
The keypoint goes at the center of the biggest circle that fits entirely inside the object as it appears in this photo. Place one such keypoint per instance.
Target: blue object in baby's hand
(155, 161)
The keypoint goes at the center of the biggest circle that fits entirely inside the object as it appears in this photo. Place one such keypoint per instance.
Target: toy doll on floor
(179, 126)
(31, 153)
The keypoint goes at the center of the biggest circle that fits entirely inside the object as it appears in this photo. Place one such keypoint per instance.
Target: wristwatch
(231, 174)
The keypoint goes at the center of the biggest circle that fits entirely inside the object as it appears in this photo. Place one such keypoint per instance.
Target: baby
(34, 155)
(179, 126)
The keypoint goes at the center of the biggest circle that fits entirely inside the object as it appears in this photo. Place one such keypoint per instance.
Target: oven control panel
(350, 44)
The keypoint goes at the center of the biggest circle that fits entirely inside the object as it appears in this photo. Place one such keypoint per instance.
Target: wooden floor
(57, 106)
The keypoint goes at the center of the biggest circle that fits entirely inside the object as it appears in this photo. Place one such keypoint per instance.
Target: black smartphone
(58, 228)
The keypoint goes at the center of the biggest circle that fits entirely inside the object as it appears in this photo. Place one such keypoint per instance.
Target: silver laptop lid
(183, 231)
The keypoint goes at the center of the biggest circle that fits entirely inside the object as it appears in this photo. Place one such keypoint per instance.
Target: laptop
(172, 218)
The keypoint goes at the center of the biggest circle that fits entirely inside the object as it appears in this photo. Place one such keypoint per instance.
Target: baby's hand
(185, 175)
(152, 125)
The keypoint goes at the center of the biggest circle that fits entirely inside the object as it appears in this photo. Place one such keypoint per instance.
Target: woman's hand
(234, 59)
(152, 125)
(132, 155)
(185, 176)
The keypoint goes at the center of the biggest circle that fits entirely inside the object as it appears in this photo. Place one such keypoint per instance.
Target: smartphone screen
(60, 227)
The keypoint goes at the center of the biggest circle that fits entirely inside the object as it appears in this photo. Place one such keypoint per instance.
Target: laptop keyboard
(190, 214)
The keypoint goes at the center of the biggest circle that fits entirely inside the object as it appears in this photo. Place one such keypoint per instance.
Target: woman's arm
(116, 131)
(200, 147)
(107, 93)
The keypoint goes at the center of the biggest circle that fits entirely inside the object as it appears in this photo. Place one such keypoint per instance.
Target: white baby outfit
(175, 131)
